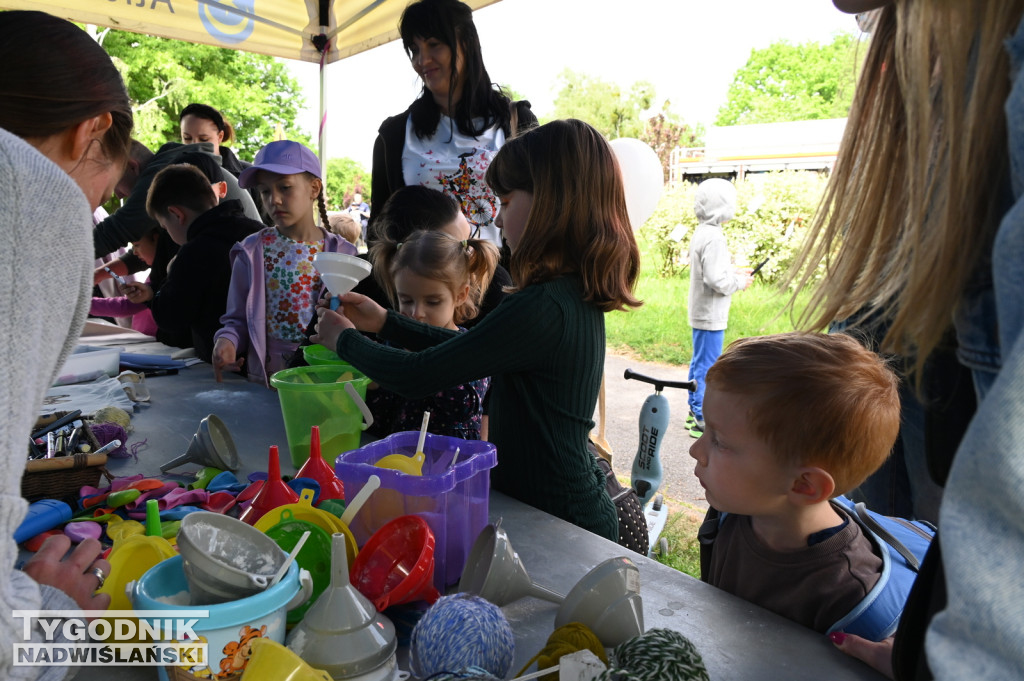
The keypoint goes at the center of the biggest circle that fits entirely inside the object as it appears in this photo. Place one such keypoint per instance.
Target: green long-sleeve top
(543, 347)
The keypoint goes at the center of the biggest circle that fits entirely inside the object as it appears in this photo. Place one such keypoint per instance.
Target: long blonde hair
(911, 209)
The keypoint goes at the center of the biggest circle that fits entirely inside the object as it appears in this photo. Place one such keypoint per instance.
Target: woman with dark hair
(202, 123)
(448, 136)
(65, 130)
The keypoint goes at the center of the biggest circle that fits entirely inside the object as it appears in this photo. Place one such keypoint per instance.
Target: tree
(254, 92)
(664, 132)
(606, 106)
(345, 177)
(786, 82)
(625, 113)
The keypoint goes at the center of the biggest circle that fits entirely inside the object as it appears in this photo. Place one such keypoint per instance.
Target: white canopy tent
(318, 31)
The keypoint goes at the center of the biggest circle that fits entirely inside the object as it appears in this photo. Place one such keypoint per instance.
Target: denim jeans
(707, 346)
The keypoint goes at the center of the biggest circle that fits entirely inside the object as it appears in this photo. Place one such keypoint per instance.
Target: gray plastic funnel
(608, 601)
(224, 559)
(342, 633)
(211, 446)
(494, 572)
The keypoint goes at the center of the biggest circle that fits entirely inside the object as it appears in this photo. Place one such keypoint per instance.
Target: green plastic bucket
(330, 396)
(319, 355)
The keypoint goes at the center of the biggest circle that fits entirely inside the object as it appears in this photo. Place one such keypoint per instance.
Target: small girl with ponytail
(436, 279)
(274, 287)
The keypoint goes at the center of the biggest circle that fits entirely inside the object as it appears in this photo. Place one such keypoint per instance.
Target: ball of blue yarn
(458, 632)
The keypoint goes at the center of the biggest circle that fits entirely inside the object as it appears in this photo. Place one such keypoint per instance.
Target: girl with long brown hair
(563, 212)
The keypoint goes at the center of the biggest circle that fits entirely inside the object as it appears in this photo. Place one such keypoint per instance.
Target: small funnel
(273, 493)
(343, 633)
(340, 272)
(607, 600)
(396, 565)
(494, 572)
(211, 446)
(319, 470)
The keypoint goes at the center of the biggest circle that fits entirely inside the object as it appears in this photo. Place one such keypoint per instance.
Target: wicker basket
(62, 477)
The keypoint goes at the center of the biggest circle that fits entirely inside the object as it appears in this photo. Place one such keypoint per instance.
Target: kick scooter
(647, 473)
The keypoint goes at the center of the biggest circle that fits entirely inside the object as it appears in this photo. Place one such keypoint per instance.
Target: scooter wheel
(663, 547)
(658, 501)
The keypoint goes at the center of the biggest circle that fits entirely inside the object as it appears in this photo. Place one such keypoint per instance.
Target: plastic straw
(423, 432)
(288, 561)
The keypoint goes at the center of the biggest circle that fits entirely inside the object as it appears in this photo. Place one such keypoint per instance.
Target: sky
(688, 49)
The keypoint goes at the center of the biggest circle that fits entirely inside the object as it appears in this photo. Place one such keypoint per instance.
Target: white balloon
(642, 177)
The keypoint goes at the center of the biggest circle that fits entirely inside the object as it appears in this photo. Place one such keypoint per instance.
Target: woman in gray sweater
(65, 127)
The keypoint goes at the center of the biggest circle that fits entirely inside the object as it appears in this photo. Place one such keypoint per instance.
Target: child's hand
(876, 655)
(363, 312)
(224, 358)
(329, 326)
(73, 573)
(139, 293)
(746, 277)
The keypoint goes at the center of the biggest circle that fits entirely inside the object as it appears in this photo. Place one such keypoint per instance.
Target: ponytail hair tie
(398, 245)
(465, 243)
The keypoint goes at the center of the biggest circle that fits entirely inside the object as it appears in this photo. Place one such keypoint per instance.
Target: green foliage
(606, 106)
(786, 82)
(666, 131)
(659, 331)
(625, 113)
(254, 92)
(345, 177)
(773, 213)
(512, 93)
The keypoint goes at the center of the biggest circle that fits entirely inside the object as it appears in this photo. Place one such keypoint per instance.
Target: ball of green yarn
(655, 655)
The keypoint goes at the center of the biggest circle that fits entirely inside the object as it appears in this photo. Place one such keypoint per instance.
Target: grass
(659, 331)
(681, 532)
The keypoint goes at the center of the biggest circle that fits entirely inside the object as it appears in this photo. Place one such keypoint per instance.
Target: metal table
(737, 640)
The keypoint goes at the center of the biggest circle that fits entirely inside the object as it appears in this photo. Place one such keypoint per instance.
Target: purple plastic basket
(453, 500)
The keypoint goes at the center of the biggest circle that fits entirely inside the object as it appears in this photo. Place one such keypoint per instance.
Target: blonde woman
(922, 226)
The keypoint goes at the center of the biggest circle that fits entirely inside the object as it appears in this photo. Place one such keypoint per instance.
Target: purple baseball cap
(283, 157)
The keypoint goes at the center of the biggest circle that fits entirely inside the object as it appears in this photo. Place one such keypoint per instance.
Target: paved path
(624, 399)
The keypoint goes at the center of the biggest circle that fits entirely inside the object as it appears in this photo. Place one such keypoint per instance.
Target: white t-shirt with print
(455, 164)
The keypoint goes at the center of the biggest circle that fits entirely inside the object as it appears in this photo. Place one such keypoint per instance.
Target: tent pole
(323, 110)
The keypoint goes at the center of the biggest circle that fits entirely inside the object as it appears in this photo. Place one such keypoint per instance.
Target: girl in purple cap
(274, 287)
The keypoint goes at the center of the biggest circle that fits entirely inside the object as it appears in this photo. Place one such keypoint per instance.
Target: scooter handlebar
(659, 384)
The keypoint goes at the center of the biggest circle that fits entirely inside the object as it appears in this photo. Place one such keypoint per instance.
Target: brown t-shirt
(815, 586)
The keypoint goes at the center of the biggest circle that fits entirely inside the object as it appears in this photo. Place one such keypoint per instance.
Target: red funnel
(272, 494)
(319, 470)
(397, 564)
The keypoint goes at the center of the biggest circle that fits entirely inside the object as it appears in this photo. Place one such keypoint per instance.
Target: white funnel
(340, 272)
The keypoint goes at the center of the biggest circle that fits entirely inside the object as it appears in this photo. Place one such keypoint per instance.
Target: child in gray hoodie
(713, 280)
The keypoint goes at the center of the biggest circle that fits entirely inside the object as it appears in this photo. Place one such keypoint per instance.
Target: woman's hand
(74, 574)
(224, 358)
(139, 293)
(876, 655)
